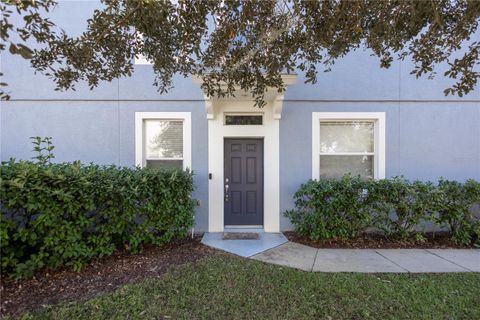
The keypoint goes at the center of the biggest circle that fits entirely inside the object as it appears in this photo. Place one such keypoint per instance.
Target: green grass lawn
(226, 287)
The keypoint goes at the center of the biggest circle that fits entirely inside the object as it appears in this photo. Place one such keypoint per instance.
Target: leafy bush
(68, 213)
(349, 206)
(400, 205)
(453, 209)
(332, 208)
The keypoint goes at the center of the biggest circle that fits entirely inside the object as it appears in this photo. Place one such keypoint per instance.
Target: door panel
(243, 174)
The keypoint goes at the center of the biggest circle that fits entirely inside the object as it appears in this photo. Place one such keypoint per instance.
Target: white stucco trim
(378, 117)
(278, 106)
(271, 94)
(217, 132)
(141, 60)
(187, 134)
(215, 109)
(209, 107)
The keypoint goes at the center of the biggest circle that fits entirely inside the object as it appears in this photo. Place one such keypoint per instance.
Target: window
(163, 139)
(163, 143)
(346, 146)
(348, 143)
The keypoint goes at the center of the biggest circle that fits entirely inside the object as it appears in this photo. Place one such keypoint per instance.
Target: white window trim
(186, 117)
(379, 137)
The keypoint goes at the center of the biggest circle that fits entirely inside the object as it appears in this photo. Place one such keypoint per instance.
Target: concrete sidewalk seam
(265, 251)
(453, 262)
(391, 261)
(315, 259)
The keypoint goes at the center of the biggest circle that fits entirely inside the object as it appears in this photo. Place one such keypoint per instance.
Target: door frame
(217, 132)
(263, 178)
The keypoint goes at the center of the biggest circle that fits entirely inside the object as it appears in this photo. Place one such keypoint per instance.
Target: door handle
(226, 190)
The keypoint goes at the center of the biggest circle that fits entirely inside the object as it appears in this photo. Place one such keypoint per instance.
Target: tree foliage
(251, 43)
(34, 25)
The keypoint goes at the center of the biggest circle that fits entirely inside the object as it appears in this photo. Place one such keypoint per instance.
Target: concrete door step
(243, 247)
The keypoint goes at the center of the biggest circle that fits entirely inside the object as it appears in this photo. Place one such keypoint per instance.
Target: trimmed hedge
(66, 214)
(350, 206)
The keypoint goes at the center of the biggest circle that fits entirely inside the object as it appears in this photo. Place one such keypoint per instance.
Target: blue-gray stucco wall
(428, 135)
(424, 140)
(101, 132)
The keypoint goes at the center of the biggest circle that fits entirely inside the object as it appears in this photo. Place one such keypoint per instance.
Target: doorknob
(226, 190)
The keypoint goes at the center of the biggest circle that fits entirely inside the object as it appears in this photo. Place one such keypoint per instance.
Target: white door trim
(269, 131)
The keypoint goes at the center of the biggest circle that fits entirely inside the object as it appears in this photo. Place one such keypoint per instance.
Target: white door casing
(269, 131)
(217, 132)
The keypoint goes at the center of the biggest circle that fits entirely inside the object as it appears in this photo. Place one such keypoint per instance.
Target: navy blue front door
(243, 181)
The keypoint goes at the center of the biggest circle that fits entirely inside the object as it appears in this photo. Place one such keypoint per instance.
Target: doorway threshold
(258, 229)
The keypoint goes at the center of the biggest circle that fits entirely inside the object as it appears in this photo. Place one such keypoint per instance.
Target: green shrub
(332, 208)
(68, 213)
(401, 205)
(346, 207)
(453, 209)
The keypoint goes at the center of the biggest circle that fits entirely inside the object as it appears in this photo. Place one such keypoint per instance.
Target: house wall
(424, 140)
(428, 135)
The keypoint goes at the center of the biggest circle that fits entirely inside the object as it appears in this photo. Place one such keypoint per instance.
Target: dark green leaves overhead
(34, 25)
(249, 44)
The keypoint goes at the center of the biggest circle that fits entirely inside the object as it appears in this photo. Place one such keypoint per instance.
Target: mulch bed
(101, 275)
(372, 241)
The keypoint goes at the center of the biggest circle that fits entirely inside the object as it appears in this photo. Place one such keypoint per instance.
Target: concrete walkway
(276, 249)
(306, 258)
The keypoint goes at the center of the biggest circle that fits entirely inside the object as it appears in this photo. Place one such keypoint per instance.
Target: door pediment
(273, 98)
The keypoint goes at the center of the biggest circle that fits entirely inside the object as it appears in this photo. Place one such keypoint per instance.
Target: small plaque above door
(242, 120)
